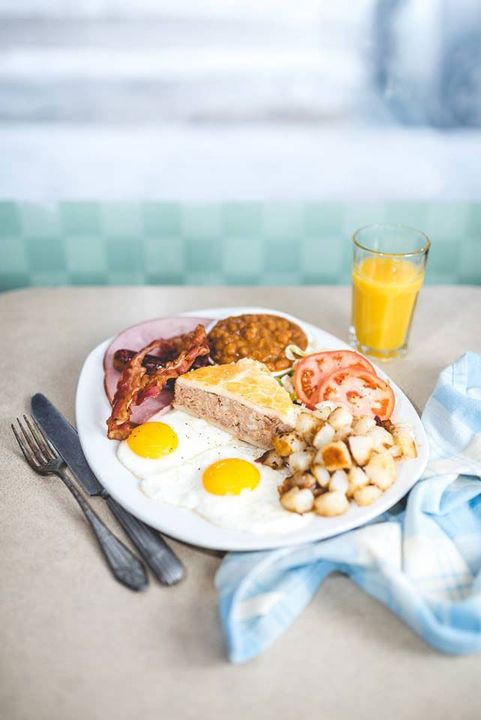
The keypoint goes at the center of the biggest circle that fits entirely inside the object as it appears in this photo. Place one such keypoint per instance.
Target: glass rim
(411, 253)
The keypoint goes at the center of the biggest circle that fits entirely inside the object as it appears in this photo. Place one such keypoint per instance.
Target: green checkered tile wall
(234, 243)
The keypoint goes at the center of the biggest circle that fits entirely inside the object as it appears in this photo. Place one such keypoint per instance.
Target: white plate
(93, 408)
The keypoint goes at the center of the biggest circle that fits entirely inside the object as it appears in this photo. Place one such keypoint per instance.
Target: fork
(43, 459)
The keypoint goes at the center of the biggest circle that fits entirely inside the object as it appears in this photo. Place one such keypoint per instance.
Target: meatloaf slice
(245, 422)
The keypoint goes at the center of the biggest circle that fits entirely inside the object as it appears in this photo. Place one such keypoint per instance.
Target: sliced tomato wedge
(313, 369)
(362, 392)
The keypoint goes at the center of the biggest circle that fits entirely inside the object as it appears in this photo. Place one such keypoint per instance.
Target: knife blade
(160, 558)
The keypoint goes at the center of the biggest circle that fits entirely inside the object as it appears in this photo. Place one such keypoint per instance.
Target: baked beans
(261, 337)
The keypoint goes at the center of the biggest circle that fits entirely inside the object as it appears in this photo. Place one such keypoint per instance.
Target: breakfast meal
(250, 425)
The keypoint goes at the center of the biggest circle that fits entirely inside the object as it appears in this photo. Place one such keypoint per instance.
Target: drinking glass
(389, 262)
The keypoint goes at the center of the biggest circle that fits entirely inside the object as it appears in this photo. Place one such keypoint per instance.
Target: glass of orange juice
(388, 272)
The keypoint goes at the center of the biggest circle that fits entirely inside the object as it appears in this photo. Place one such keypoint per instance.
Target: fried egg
(227, 487)
(167, 441)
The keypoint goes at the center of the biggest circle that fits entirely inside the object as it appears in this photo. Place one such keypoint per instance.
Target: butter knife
(160, 558)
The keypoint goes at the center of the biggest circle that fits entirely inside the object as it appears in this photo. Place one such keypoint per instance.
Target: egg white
(257, 511)
(194, 437)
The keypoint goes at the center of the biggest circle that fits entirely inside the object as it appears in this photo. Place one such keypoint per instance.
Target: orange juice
(384, 296)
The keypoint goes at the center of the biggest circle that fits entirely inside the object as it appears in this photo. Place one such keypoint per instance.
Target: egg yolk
(152, 440)
(230, 476)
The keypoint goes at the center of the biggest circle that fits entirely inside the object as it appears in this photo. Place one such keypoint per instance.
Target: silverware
(41, 457)
(160, 558)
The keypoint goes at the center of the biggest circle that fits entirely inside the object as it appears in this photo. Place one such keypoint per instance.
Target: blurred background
(229, 141)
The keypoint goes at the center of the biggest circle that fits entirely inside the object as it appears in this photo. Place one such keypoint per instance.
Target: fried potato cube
(301, 460)
(404, 439)
(340, 417)
(307, 425)
(331, 503)
(343, 432)
(367, 495)
(302, 480)
(335, 456)
(363, 424)
(381, 470)
(381, 438)
(298, 500)
(324, 409)
(361, 447)
(324, 435)
(288, 443)
(339, 481)
(357, 479)
(322, 476)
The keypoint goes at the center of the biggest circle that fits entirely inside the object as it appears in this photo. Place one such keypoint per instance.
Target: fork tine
(26, 454)
(32, 445)
(39, 436)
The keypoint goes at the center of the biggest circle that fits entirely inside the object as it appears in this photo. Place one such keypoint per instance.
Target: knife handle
(125, 567)
(160, 558)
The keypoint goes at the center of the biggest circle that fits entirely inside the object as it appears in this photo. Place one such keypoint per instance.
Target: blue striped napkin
(424, 562)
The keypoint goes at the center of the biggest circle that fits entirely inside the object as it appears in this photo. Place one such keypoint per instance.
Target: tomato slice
(312, 370)
(362, 392)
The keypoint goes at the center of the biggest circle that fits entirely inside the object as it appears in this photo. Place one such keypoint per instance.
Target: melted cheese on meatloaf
(248, 381)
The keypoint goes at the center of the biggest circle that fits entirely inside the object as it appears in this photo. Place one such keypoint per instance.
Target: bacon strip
(136, 384)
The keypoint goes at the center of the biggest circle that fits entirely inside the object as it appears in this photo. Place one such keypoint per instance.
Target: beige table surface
(76, 645)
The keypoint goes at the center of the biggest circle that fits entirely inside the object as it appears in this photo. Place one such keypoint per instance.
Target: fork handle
(160, 558)
(125, 566)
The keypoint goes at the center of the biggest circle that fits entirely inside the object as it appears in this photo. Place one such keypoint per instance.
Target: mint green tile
(279, 277)
(323, 219)
(203, 255)
(281, 254)
(40, 221)
(282, 220)
(13, 256)
(474, 220)
(13, 280)
(160, 219)
(242, 257)
(203, 278)
(357, 215)
(241, 220)
(121, 220)
(446, 222)
(49, 278)
(45, 254)
(201, 221)
(442, 262)
(80, 218)
(164, 260)
(414, 214)
(325, 260)
(85, 253)
(9, 219)
(133, 277)
(124, 254)
(469, 267)
(88, 278)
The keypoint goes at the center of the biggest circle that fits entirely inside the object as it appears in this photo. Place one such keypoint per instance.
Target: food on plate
(313, 369)
(223, 484)
(136, 338)
(136, 384)
(337, 458)
(168, 440)
(242, 398)
(260, 337)
(362, 391)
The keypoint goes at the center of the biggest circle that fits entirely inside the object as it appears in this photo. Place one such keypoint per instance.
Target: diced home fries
(334, 458)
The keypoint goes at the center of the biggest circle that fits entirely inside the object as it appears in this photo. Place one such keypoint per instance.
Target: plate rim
(210, 536)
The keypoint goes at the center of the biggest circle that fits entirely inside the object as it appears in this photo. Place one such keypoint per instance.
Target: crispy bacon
(136, 383)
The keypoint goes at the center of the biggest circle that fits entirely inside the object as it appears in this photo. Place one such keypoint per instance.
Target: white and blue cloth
(423, 562)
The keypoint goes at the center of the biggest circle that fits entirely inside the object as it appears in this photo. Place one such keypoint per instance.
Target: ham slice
(135, 338)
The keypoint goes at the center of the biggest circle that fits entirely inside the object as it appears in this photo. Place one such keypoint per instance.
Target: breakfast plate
(93, 408)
